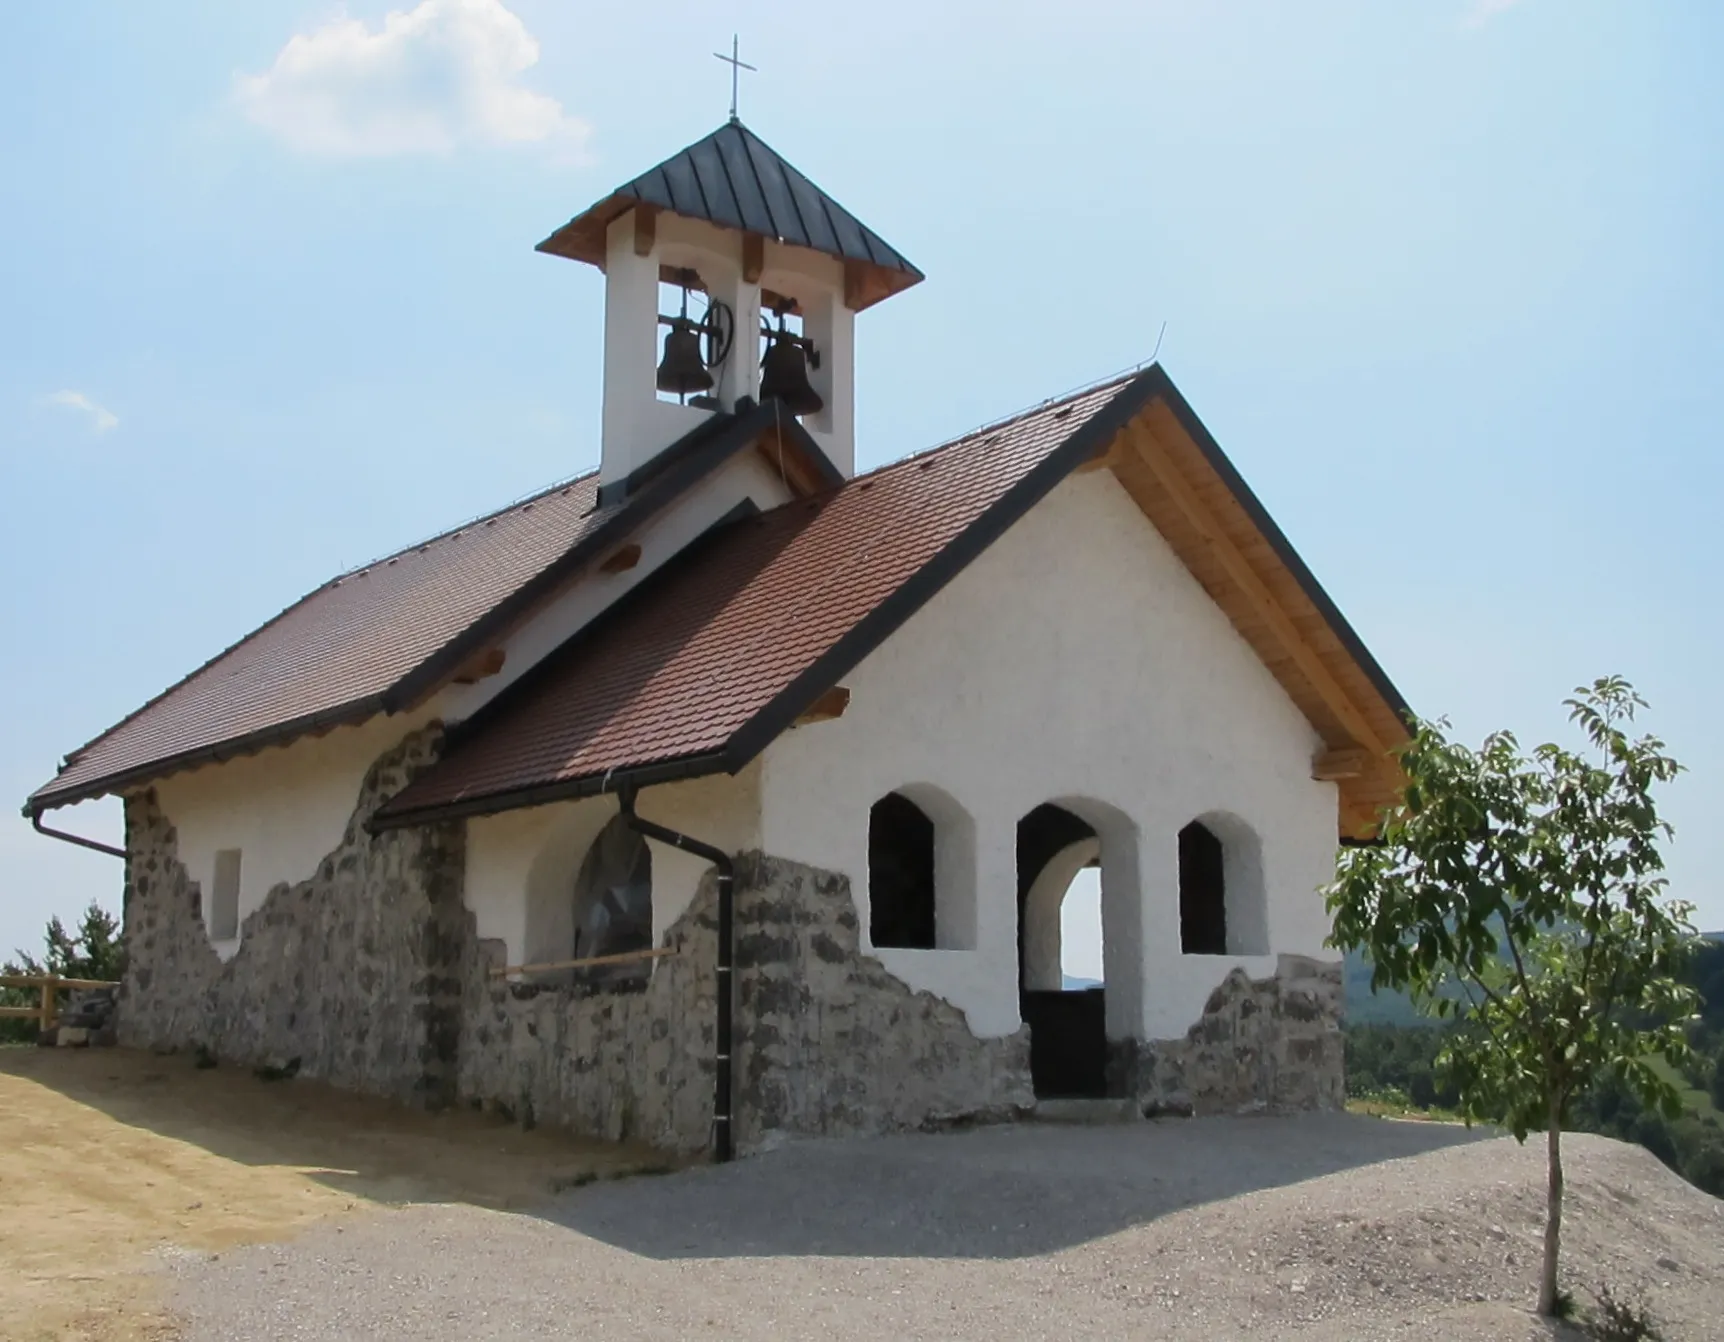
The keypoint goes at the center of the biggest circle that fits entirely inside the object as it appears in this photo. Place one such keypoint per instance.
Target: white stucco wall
(1077, 661)
(284, 808)
(521, 865)
(745, 477)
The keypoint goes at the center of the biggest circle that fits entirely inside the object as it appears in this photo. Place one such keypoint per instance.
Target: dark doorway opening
(1068, 1024)
(900, 874)
(1202, 892)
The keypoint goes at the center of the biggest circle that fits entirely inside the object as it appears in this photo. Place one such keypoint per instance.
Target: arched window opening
(901, 850)
(1202, 892)
(613, 903)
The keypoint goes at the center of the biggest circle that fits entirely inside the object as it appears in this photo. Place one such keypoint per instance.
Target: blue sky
(1442, 276)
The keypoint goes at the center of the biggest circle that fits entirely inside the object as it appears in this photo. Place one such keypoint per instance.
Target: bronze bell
(683, 371)
(784, 374)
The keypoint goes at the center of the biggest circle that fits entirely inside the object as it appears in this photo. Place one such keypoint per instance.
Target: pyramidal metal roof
(734, 179)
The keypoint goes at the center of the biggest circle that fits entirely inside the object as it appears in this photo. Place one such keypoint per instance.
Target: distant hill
(1363, 1007)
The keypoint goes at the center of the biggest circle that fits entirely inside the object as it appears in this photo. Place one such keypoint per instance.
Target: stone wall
(371, 974)
(1261, 1044)
(827, 1041)
(355, 972)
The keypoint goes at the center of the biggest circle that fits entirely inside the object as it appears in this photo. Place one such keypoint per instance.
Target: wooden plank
(753, 257)
(20, 1013)
(52, 981)
(1331, 766)
(1252, 587)
(624, 957)
(646, 229)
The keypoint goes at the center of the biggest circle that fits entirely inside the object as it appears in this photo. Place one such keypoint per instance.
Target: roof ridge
(532, 496)
(997, 425)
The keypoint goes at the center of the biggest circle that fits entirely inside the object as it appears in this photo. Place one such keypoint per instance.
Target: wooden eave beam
(856, 296)
(1109, 458)
(1331, 766)
(622, 559)
(1233, 562)
(786, 460)
(827, 707)
(646, 229)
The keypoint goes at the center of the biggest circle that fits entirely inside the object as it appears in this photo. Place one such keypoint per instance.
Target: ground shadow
(1003, 1192)
(997, 1192)
(358, 1144)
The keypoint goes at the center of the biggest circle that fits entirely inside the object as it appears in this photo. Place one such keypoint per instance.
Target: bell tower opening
(696, 332)
(719, 242)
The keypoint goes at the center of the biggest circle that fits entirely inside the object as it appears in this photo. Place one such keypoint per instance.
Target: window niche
(613, 904)
(1222, 904)
(921, 872)
(224, 896)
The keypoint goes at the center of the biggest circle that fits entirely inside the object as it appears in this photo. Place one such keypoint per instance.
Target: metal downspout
(723, 1146)
(108, 848)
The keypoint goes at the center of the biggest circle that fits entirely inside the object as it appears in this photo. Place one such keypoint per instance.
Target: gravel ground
(1327, 1226)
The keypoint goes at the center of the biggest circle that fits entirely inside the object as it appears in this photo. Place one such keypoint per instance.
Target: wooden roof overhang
(1185, 485)
(734, 180)
(586, 721)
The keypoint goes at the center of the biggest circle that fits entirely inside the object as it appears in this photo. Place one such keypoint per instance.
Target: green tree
(1522, 896)
(93, 952)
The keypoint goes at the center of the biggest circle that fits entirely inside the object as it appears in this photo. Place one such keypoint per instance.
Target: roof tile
(347, 641)
(708, 643)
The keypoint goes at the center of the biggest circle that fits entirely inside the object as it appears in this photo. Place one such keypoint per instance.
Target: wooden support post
(753, 257)
(47, 1016)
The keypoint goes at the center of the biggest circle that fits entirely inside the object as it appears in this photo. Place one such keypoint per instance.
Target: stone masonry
(355, 972)
(371, 974)
(827, 1041)
(1261, 1044)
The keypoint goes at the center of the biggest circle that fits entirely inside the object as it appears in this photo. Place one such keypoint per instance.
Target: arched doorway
(1067, 1016)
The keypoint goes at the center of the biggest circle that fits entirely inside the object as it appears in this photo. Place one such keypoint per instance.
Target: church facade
(724, 795)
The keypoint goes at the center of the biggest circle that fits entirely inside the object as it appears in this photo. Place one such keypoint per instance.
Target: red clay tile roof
(712, 656)
(344, 645)
(377, 638)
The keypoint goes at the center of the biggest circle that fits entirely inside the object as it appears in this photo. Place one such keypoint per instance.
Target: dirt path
(107, 1157)
(1319, 1228)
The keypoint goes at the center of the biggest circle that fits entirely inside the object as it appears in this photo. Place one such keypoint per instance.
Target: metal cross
(737, 66)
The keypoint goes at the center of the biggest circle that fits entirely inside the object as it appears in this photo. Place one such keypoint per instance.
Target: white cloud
(1482, 12)
(104, 418)
(431, 79)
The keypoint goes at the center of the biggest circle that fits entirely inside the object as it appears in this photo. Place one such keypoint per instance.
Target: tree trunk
(1552, 1213)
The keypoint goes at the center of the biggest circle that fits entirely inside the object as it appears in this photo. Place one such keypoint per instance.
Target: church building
(725, 795)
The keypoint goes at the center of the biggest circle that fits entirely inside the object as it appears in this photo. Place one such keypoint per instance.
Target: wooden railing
(622, 958)
(50, 984)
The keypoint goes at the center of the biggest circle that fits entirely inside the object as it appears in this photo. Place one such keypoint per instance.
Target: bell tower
(730, 279)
